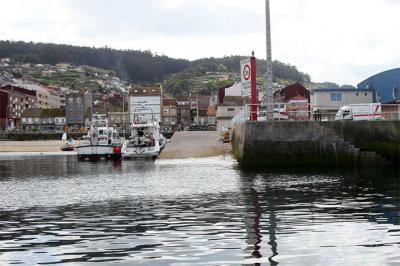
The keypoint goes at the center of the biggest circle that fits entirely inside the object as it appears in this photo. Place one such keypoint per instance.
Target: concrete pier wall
(194, 144)
(291, 144)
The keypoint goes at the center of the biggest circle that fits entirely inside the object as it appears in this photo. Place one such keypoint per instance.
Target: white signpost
(245, 68)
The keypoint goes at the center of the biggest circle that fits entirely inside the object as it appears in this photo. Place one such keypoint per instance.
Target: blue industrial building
(385, 85)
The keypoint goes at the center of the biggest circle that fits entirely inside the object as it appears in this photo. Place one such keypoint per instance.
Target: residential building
(63, 91)
(13, 102)
(212, 115)
(169, 115)
(96, 116)
(292, 91)
(77, 106)
(30, 119)
(43, 120)
(145, 97)
(120, 121)
(326, 102)
(199, 107)
(298, 108)
(234, 90)
(47, 99)
(183, 112)
(227, 110)
(53, 120)
(60, 122)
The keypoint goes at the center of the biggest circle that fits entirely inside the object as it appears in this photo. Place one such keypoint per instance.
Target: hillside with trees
(135, 66)
(143, 67)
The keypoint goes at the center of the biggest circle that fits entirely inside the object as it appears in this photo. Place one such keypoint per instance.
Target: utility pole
(123, 113)
(270, 93)
(197, 109)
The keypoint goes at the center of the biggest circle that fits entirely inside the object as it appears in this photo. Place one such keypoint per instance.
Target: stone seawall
(286, 143)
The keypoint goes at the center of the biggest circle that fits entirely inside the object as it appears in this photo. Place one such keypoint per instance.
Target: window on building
(395, 93)
(336, 97)
(78, 100)
(378, 96)
(70, 100)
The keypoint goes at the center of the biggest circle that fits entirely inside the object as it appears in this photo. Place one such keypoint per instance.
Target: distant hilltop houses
(65, 97)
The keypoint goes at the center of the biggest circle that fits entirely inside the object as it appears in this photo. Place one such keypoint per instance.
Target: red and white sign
(245, 67)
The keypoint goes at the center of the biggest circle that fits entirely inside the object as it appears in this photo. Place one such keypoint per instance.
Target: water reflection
(295, 203)
(195, 212)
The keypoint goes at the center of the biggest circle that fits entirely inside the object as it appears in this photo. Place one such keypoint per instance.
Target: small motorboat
(70, 145)
(146, 141)
(101, 141)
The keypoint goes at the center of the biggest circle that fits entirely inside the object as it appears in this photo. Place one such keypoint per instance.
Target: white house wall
(153, 102)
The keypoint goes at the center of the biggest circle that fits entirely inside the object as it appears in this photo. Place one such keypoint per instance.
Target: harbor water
(56, 210)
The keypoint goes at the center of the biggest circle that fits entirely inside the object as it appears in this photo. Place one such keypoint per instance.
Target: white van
(358, 112)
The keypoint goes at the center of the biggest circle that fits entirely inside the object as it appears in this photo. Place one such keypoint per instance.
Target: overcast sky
(344, 41)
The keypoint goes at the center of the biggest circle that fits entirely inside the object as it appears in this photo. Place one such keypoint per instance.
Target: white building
(234, 90)
(147, 97)
(326, 102)
(226, 111)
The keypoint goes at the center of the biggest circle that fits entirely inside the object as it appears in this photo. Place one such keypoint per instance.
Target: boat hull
(67, 148)
(140, 152)
(98, 152)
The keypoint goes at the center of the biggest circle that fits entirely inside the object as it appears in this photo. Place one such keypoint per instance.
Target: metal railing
(309, 112)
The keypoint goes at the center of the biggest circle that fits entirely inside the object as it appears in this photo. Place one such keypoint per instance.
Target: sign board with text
(245, 69)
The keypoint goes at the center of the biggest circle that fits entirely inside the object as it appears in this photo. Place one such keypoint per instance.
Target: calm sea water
(55, 210)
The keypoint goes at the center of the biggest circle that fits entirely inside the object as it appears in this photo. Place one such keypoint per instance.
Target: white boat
(70, 143)
(145, 141)
(100, 142)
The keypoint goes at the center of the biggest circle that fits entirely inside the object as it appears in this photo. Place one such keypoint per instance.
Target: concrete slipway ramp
(193, 144)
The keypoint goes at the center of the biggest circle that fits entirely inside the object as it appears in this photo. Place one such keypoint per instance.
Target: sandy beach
(183, 145)
(31, 146)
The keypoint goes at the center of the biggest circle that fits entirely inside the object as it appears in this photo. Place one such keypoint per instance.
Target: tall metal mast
(270, 93)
